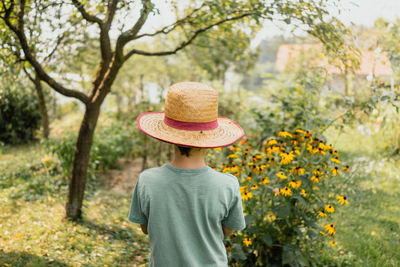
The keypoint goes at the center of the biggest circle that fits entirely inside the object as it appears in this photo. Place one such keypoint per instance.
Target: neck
(194, 161)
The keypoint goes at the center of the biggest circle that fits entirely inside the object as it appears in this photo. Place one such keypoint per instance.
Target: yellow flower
(310, 148)
(329, 208)
(281, 175)
(254, 187)
(299, 131)
(287, 158)
(264, 181)
(263, 166)
(285, 134)
(294, 184)
(335, 171)
(330, 228)
(286, 191)
(321, 146)
(332, 243)
(335, 153)
(342, 200)
(271, 216)
(235, 169)
(233, 156)
(317, 172)
(46, 160)
(303, 192)
(322, 233)
(218, 149)
(238, 149)
(243, 188)
(320, 151)
(247, 195)
(322, 214)
(248, 178)
(298, 171)
(336, 160)
(231, 148)
(272, 142)
(226, 169)
(315, 179)
(346, 168)
(247, 241)
(273, 149)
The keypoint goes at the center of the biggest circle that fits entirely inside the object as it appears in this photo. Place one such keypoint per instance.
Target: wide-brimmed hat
(191, 118)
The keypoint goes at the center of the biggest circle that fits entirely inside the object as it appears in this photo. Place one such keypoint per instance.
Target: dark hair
(185, 150)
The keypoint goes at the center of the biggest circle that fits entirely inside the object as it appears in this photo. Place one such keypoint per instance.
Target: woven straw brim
(227, 132)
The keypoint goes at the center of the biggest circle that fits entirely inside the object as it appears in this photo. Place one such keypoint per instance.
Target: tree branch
(85, 14)
(27, 74)
(59, 40)
(112, 8)
(129, 35)
(19, 32)
(185, 43)
(105, 44)
(169, 28)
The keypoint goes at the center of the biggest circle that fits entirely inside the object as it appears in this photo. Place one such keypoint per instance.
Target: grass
(369, 230)
(33, 231)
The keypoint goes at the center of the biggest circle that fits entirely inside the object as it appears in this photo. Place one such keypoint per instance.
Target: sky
(363, 12)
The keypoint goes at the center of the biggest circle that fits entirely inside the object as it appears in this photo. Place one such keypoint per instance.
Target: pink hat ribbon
(190, 126)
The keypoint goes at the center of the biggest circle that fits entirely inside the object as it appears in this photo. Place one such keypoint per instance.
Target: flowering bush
(290, 185)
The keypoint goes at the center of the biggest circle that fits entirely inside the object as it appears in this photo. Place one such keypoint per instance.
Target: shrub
(290, 187)
(109, 144)
(19, 115)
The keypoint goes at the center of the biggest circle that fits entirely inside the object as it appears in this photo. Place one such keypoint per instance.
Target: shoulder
(226, 178)
(148, 175)
(151, 172)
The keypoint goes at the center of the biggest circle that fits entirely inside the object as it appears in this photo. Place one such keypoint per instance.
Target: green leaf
(267, 239)
(288, 255)
(237, 252)
(283, 211)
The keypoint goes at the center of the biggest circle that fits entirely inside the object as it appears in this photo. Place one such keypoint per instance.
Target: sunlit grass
(33, 231)
(369, 229)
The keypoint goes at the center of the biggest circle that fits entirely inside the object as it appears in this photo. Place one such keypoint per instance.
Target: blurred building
(373, 64)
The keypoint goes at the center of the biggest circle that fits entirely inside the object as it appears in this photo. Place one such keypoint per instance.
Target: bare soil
(123, 180)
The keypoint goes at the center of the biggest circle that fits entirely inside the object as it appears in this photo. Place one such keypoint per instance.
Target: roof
(376, 63)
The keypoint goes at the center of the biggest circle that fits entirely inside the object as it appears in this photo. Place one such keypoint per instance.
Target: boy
(185, 206)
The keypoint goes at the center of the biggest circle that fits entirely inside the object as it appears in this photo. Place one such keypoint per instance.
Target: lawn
(369, 229)
(34, 233)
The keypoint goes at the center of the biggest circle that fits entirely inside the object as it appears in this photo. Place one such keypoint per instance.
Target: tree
(196, 18)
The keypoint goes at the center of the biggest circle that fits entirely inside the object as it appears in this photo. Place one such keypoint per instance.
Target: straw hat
(191, 118)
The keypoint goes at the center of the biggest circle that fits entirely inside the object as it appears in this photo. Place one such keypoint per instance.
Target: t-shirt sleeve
(235, 218)
(136, 213)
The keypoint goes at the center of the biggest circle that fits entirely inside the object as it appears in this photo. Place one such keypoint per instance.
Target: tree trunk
(42, 107)
(81, 159)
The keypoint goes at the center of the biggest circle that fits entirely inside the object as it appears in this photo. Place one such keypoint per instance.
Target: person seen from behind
(185, 206)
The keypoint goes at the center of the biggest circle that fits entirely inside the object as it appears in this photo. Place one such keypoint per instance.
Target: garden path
(124, 179)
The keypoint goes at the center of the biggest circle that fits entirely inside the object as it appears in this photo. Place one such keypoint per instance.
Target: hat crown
(191, 102)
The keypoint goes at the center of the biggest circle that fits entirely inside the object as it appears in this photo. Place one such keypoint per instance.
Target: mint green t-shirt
(184, 210)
